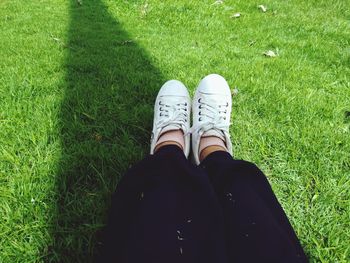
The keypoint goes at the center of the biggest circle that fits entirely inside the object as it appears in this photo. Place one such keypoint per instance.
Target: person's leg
(256, 227)
(164, 208)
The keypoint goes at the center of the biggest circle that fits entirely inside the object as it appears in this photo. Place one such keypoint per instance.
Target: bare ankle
(210, 149)
(210, 144)
(174, 137)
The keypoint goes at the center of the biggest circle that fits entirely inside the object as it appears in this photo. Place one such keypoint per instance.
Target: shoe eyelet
(200, 119)
(226, 104)
(185, 103)
(200, 113)
(200, 106)
(199, 100)
(160, 103)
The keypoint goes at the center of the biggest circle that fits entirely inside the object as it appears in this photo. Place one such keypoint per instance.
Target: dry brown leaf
(270, 54)
(236, 15)
(235, 91)
(262, 8)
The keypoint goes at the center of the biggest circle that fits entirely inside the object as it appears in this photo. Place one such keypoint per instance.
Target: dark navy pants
(166, 210)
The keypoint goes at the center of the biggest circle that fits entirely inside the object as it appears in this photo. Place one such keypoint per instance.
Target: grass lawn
(77, 85)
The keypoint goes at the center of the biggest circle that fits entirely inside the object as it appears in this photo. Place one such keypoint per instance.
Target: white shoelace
(212, 115)
(174, 115)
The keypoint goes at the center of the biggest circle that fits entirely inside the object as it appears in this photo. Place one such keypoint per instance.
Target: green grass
(78, 82)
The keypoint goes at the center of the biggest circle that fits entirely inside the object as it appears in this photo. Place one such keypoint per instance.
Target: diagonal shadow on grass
(106, 118)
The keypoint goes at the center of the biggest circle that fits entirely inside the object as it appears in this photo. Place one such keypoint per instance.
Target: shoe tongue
(170, 127)
(214, 132)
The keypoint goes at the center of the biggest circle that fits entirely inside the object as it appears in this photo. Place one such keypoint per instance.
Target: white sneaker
(172, 111)
(211, 108)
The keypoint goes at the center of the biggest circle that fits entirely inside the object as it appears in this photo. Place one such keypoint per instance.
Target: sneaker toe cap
(174, 88)
(214, 84)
